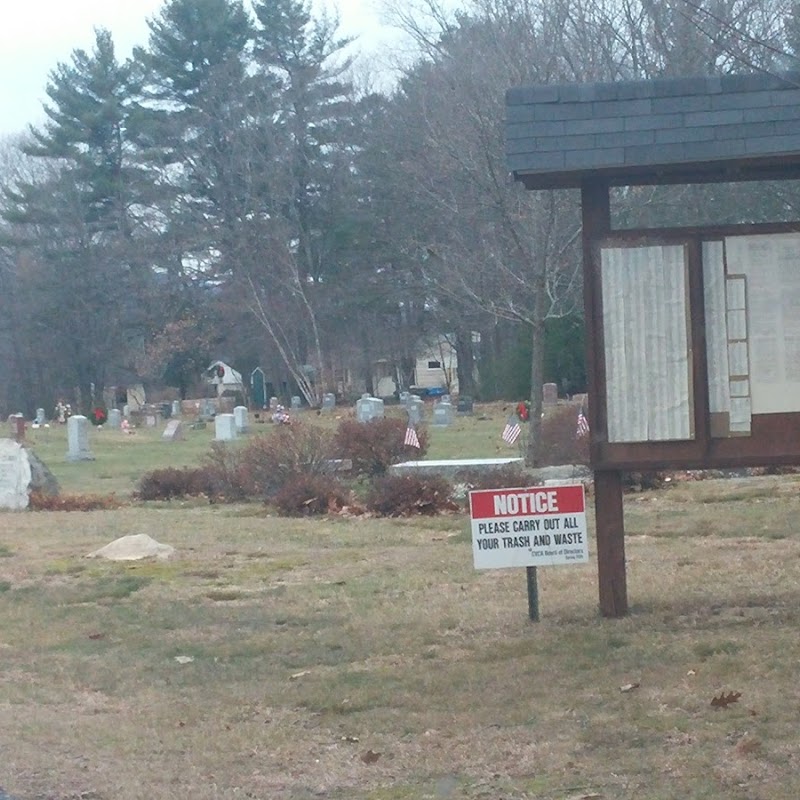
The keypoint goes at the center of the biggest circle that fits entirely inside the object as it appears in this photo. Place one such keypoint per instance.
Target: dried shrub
(374, 446)
(407, 495)
(40, 501)
(225, 473)
(310, 495)
(643, 481)
(560, 443)
(171, 483)
(268, 462)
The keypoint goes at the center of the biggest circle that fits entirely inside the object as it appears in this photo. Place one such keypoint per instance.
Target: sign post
(529, 527)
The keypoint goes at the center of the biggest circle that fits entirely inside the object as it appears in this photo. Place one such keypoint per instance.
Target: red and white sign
(535, 527)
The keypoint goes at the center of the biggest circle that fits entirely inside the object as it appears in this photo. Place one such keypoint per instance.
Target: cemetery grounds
(365, 659)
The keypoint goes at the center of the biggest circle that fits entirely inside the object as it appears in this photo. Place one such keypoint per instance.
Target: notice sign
(535, 527)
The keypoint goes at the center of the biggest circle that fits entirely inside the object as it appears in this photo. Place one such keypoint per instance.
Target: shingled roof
(730, 127)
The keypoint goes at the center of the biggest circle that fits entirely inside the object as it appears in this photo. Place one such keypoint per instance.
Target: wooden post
(609, 521)
(610, 535)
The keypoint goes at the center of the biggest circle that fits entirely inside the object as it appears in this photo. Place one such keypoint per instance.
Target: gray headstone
(114, 418)
(377, 408)
(78, 439)
(369, 408)
(241, 419)
(416, 409)
(465, 405)
(173, 432)
(442, 414)
(15, 475)
(176, 408)
(151, 420)
(445, 398)
(550, 394)
(224, 427)
(404, 397)
(126, 411)
(296, 403)
(41, 418)
(328, 402)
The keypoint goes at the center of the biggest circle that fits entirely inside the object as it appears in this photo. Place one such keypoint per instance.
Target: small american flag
(411, 438)
(583, 425)
(511, 431)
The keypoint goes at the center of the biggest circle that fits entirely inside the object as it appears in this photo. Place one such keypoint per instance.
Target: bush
(506, 477)
(406, 495)
(374, 446)
(310, 495)
(39, 501)
(268, 462)
(560, 444)
(171, 483)
(225, 474)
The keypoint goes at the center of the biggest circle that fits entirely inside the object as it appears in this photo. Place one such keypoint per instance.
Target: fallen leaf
(370, 757)
(184, 659)
(724, 700)
(691, 672)
(629, 687)
(97, 636)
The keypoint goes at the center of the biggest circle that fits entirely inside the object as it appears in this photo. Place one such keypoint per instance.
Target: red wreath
(220, 371)
(523, 411)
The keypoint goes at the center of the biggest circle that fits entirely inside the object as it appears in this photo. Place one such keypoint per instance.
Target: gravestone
(176, 408)
(404, 397)
(297, 403)
(464, 406)
(369, 408)
(126, 411)
(207, 410)
(273, 403)
(41, 417)
(15, 475)
(445, 398)
(16, 427)
(442, 414)
(550, 394)
(416, 409)
(241, 419)
(328, 401)
(150, 420)
(224, 427)
(78, 439)
(173, 432)
(114, 419)
(258, 388)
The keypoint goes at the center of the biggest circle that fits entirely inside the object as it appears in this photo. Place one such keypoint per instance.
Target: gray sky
(35, 35)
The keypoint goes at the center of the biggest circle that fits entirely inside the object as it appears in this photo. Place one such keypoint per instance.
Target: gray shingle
(571, 130)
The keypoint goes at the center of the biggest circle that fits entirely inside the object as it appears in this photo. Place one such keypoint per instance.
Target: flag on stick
(583, 425)
(512, 430)
(411, 439)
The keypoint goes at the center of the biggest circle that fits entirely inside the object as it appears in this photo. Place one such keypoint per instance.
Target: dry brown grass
(316, 645)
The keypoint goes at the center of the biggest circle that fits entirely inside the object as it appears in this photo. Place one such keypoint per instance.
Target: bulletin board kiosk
(693, 333)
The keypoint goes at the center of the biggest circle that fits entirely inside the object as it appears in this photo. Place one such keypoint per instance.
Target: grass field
(365, 659)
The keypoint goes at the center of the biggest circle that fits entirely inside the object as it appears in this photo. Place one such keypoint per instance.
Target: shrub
(406, 495)
(225, 474)
(511, 475)
(39, 501)
(268, 462)
(560, 444)
(170, 483)
(310, 495)
(374, 446)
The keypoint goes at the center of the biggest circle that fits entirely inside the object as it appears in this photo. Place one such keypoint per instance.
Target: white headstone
(224, 427)
(297, 402)
(377, 407)
(443, 414)
(176, 408)
(173, 432)
(150, 420)
(78, 439)
(15, 475)
(369, 408)
(273, 403)
(114, 418)
(241, 419)
(328, 402)
(41, 418)
(416, 409)
(126, 411)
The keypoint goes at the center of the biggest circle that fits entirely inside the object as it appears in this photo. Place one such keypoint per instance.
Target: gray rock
(43, 481)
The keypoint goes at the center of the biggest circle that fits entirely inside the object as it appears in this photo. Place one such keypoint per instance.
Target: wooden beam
(609, 521)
